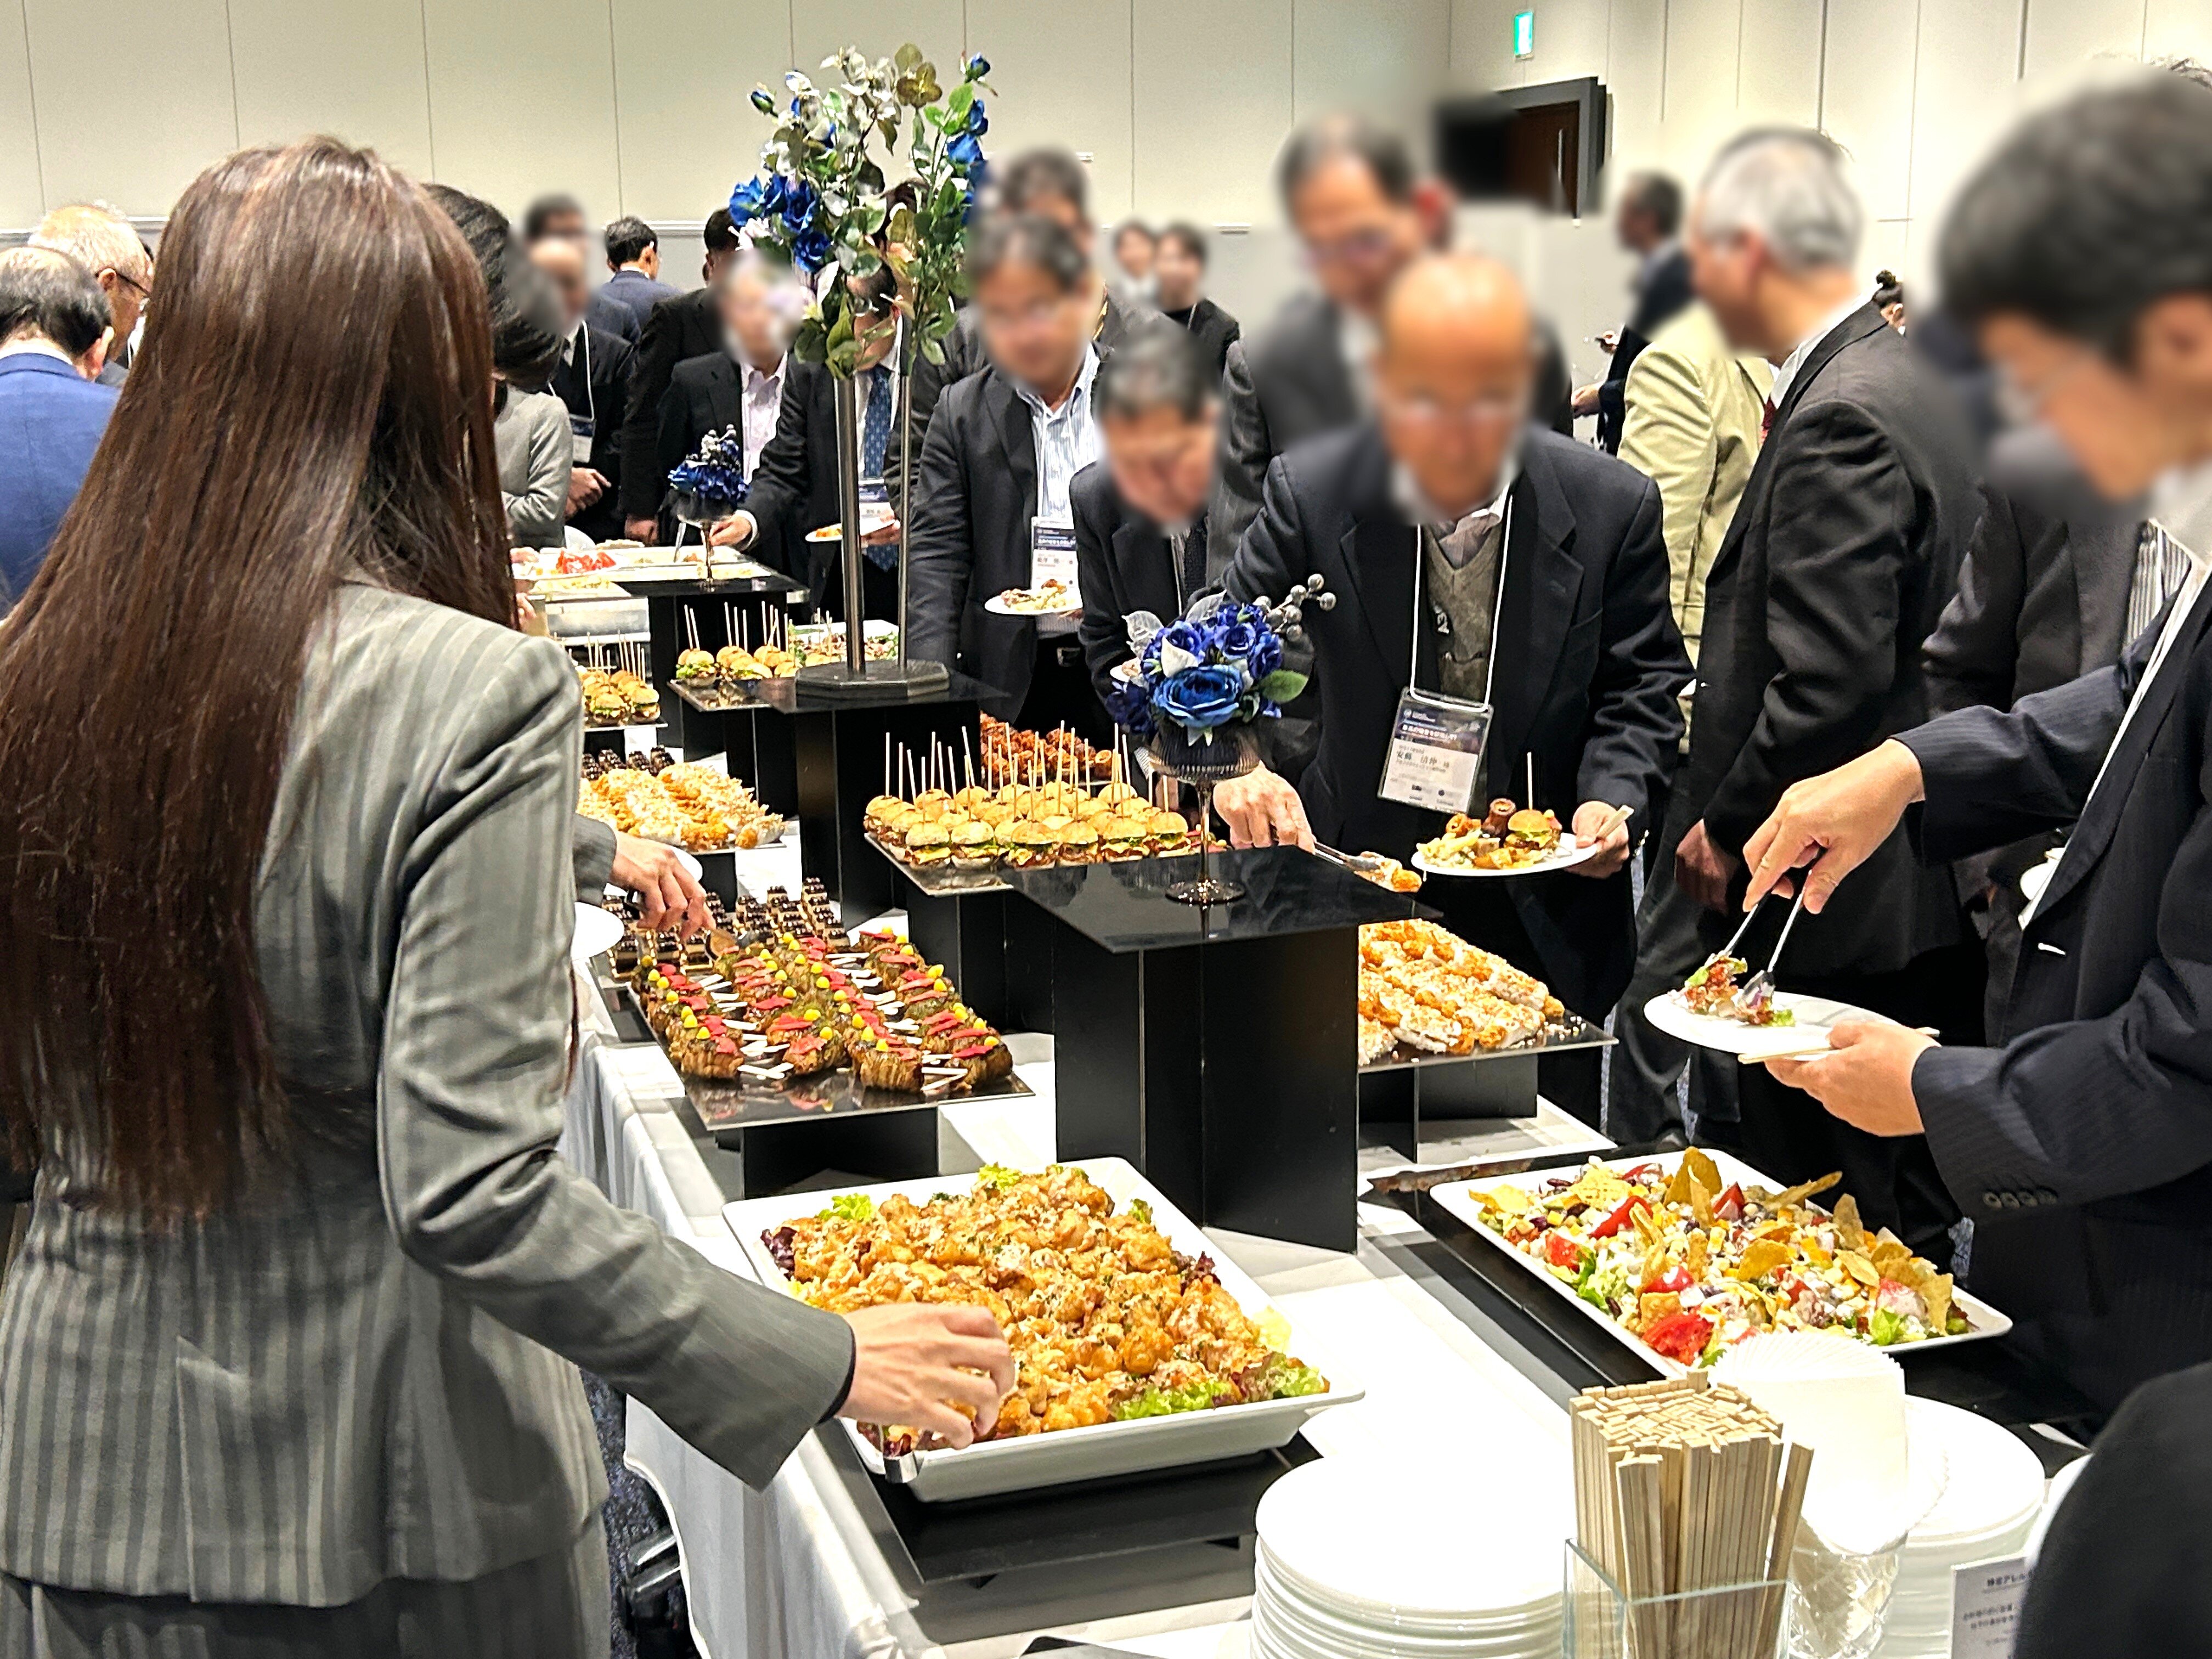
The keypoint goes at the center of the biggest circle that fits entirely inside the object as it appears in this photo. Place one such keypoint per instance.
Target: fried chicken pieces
(1429, 989)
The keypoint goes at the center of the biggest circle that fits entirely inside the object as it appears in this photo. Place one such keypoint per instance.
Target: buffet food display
(691, 806)
(1685, 1258)
(1013, 755)
(975, 830)
(616, 697)
(782, 994)
(1109, 1322)
(707, 676)
(1424, 989)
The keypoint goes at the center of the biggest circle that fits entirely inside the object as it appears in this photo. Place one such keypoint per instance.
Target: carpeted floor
(632, 1513)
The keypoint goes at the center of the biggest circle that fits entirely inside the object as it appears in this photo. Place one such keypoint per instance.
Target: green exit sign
(1524, 34)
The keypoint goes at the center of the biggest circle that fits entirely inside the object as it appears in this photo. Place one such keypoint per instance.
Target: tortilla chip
(1701, 1203)
(1762, 1257)
(1694, 1256)
(1889, 1255)
(1850, 1233)
(1649, 1227)
(1706, 1173)
(1859, 1268)
(1936, 1291)
(1805, 1189)
(1508, 1198)
(1678, 1189)
(1599, 1188)
(1654, 1305)
(1655, 1263)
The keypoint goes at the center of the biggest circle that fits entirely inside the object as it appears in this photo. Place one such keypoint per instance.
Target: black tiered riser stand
(1394, 1104)
(965, 934)
(664, 612)
(839, 762)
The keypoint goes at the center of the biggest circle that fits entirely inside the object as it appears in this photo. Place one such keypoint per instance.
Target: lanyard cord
(1496, 612)
(591, 401)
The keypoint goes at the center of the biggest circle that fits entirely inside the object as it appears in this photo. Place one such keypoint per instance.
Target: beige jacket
(1693, 413)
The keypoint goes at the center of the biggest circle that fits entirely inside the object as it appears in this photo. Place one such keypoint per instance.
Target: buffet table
(1466, 1380)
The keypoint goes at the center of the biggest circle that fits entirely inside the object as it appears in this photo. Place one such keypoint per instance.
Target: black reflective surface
(832, 1094)
(726, 586)
(1124, 908)
(795, 696)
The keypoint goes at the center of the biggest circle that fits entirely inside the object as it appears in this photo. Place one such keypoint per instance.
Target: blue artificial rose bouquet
(1218, 668)
(713, 474)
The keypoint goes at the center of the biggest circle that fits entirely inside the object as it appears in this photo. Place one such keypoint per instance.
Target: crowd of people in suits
(1795, 618)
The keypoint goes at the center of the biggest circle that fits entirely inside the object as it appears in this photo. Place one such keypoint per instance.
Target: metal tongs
(1360, 864)
(1761, 982)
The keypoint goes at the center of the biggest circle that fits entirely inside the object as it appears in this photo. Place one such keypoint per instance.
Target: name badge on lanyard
(581, 427)
(1435, 758)
(1052, 551)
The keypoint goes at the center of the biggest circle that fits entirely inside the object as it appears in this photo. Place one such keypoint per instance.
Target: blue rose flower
(1239, 639)
(1129, 704)
(762, 102)
(773, 190)
(976, 122)
(978, 67)
(799, 203)
(811, 249)
(964, 151)
(1199, 699)
(745, 201)
(1267, 654)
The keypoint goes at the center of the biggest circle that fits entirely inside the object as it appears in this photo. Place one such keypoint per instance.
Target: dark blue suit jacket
(51, 419)
(2083, 1147)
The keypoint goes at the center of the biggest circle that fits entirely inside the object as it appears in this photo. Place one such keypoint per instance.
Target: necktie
(1186, 548)
(876, 422)
(1463, 540)
(1766, 418)
(2160, 567)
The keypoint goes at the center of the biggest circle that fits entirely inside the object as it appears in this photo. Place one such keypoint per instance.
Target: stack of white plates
(1342, 1573)
(1988, 1508)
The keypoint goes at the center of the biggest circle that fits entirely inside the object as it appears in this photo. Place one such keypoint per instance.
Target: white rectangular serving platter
(1101, 1450)
(1457, 1198)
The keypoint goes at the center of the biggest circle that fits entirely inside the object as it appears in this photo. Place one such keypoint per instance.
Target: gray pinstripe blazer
(364, 1371)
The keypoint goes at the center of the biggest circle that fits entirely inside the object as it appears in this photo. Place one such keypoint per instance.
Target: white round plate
(870, 523)
(998, 607)
(2036, 877)
(597, 930)
(1732, 1036)
(1571, 852)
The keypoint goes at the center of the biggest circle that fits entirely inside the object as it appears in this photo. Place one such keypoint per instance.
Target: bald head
(1452, 374)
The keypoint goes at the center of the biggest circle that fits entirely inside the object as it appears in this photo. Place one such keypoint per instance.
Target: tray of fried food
(1134, 1348)
(1423, 987)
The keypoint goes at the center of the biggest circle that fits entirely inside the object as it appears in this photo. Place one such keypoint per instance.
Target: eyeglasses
(1360, 248)
(1037, 314)
(1485, 409)
(132, 284)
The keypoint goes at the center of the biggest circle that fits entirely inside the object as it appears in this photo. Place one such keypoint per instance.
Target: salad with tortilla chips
(1689, 1264)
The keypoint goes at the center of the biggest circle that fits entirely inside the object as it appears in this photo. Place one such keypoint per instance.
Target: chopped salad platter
(1683, 1255)
(1136, 1347)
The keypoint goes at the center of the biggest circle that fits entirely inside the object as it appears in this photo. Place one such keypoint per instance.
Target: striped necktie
(2161, 565)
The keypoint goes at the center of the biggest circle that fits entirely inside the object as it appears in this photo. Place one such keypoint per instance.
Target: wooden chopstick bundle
(1682, 1487)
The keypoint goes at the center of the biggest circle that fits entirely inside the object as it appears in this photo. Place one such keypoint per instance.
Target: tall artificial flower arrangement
(822, 196)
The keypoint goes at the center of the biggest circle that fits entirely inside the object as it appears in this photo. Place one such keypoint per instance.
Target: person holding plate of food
(1499, 587)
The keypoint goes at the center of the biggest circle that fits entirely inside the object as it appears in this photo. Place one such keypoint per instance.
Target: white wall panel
(1570, 39)
(2065, 35)
(688, 133)
(352, 67)
(1779, 69)
(1482, 45)
(1969, 53)
(2179, 28)
(1699, 112)
(23, 204)
(522, 99)
(1205, 142)
(1872, 46)
(1635, 46)
(132, 126)
(1061, 67)
(1388, 61)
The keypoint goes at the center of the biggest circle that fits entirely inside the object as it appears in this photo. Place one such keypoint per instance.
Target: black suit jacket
(1840, 559)
(689, 325)
(1280, 387)
(1660, 297)
(2082, 1148)
(794, 489)
(703, 396)
(1588, 663)
(1125, 564)
(602, 397)
(1213, 331)
(975, 497)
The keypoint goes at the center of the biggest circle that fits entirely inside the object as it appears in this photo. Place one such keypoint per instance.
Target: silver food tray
(1457, 1199)
(1569, 1031)
(1104, 1448)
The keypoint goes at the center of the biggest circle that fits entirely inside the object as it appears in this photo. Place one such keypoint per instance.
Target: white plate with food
(872, 519)
(1886, 1291)
(1793, 1021)
(1506, 841)
(1568, 853)
(1151, 1431)
(1052, 600)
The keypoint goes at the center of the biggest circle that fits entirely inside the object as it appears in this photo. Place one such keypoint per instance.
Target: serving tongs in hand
(1762, 982)
(1360, 864)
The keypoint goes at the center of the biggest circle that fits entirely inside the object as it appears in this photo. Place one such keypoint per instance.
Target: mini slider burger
(880, 811)
(694, 665)
(1079, 844)
(1124, 838)
(928, 844)
(1028, 845)
(1169, 835)
(1530, 831)
(974, 847)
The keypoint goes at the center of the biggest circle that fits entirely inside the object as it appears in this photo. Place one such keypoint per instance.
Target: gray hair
(98, 238)
(1787, 184)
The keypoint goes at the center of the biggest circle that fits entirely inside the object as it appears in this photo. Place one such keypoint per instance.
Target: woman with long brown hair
(285, 1016)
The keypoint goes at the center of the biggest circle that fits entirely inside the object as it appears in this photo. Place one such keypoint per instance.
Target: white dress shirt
(1066, 439)
(760, 398)
(1786, 370)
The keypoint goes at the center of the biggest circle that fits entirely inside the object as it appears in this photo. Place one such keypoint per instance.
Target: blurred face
(1633, 228)
(1357, 238)
(1728, 272)
(126, 300)
(565, 225)
(563, 262)
(2124, 424)
(752, 321)
(1452, 384)
(1065, 214)
(1162, 463)
(1133, 251)
(1032, 330)
(1177, 274)
(711, 267)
